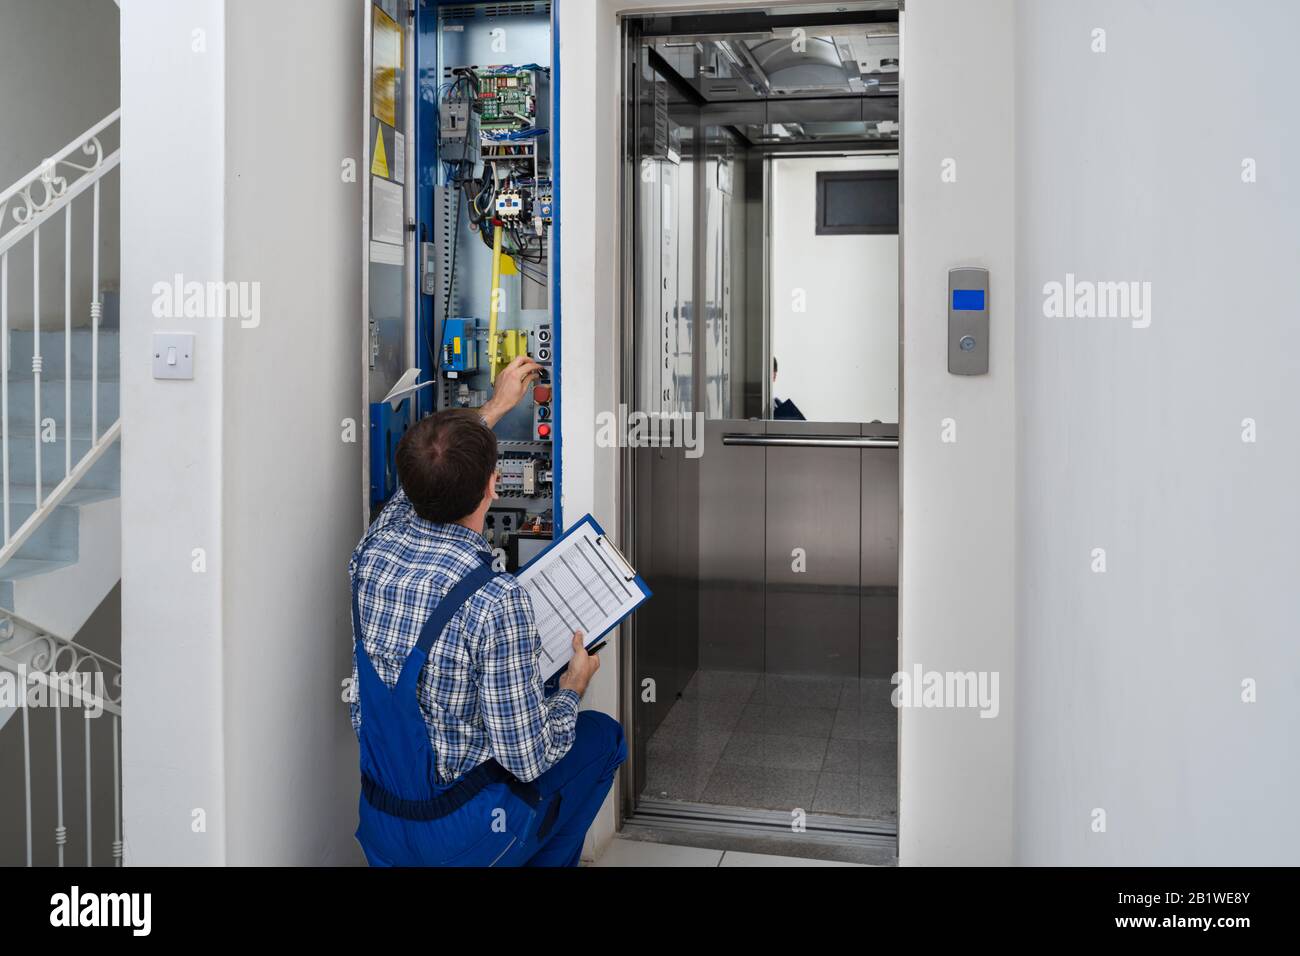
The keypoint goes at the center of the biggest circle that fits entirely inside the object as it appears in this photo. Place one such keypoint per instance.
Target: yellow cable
(496, 297)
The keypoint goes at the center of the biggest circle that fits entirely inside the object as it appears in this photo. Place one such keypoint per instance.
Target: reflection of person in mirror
(783, 408)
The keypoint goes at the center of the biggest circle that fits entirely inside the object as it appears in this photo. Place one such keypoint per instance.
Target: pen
(595, 647)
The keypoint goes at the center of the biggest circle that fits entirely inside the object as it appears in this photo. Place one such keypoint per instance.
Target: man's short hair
(444, 463)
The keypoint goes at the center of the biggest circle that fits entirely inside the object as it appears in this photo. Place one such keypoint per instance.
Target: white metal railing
(55, 674)
(36, 198)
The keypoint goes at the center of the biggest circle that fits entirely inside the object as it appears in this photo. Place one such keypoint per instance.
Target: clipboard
(579, 582)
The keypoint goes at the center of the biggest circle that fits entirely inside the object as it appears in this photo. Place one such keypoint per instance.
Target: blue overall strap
(394, 723)
(396, 751)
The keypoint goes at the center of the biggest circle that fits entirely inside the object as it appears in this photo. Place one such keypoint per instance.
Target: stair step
(55, 539)
(55, 542)
(22, 405)
(29, 567)
(25, 494)
(105, 473)
(21, 343)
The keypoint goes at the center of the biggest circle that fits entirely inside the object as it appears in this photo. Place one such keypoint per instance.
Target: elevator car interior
(761, 274)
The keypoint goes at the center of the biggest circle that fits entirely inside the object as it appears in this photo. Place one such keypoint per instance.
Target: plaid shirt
(481, 689)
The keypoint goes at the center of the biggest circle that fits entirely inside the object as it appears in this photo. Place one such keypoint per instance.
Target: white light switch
(173, 355)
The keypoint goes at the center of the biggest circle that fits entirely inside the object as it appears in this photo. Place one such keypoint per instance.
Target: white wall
(234, 704)
(58, 77)
(957, 575)
(1131, 438)
(589, 55)
(42, 107)
(293, 114)
(172, 221)
(838, 355)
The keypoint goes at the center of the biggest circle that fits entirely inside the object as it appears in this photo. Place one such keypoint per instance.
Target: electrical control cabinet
(486, 164)
(460, 178)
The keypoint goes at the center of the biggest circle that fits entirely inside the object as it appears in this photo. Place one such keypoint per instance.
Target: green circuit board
(506, 98)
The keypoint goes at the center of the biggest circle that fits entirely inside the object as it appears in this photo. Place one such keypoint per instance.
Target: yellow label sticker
(455, 344)
(379, 165)
(385, 61)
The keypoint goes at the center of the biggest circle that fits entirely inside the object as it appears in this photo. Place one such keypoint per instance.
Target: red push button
(542, 394)
(543, 430)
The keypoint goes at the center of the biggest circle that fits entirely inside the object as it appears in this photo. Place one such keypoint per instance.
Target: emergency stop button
(542, 394)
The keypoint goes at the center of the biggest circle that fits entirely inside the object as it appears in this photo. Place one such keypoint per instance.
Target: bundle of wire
(527, 250)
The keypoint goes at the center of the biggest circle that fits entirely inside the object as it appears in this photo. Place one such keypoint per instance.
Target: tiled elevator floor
(828, 745)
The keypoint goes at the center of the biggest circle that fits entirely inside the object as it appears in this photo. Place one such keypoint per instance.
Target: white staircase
(61, 572)
(59, 425)
(60, 470)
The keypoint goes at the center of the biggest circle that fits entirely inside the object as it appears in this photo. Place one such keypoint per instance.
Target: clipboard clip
(628, 572)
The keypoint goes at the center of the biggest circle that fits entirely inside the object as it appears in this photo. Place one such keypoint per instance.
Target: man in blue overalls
(464, 760)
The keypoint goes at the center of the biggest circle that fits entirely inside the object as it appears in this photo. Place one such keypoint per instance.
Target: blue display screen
(968, 300)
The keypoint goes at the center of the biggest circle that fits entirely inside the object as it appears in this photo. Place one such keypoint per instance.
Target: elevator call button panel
(968, 321)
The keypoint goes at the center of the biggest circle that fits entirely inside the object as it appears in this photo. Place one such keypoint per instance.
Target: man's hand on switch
(510, 388)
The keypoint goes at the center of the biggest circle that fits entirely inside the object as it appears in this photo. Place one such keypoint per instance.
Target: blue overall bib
(407, 817)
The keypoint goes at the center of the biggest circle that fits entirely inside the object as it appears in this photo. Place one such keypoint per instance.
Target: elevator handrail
(811, 441)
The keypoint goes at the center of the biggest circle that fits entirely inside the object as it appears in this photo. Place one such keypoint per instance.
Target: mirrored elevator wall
(669, 281)
(798, 565)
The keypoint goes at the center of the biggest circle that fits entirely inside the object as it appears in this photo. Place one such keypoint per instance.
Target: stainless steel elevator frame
(699, 817)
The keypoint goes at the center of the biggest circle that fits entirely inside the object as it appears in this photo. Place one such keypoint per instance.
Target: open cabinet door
(388, 247)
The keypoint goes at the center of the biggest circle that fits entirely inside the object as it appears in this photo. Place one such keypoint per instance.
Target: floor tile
(791, 691)
(879, 757)
(843, 756)
(682, 752)
(868, 694)
(805, 721)
(753, 719)
(790, 721)
(855, 724)
(838, 793)
(761, 741)
(673, 774)
(879, 798)
(848, 725)
(721, 685)
(762, 787)
(639, 853)
(699, 720)
(701, 743)
(782, 752)
(733, 858)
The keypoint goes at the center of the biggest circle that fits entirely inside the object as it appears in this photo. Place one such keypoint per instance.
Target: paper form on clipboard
(581, 582)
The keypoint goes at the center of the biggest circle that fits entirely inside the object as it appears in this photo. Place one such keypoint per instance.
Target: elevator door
(763, 330)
